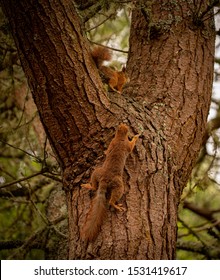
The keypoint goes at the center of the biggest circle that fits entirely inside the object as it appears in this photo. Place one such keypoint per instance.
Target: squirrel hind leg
(116, 194)
(113, 89)
(93, 185)
(113, 82)
(94, 181)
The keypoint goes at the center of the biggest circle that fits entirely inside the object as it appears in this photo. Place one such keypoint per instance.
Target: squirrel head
(122, 130)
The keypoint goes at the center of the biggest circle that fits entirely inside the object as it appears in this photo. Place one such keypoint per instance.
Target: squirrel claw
(118, 207)
(88, 186)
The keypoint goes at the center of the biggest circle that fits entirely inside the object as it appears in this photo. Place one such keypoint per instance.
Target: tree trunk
(170, 66)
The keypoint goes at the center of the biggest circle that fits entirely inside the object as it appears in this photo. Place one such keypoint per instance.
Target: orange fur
(115, 79)
(108, 177)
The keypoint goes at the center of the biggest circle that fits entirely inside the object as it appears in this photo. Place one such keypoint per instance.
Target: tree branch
(203, 212)
(44, 170)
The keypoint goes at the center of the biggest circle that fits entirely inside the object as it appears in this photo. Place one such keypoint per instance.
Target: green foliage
(111, 29)
(28, 168)
(199, 212)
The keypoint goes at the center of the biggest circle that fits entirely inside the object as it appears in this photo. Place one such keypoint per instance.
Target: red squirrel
(108, 177)
(115, 79)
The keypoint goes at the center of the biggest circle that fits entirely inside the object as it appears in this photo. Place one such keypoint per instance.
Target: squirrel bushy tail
(101, 54)
(95, 216)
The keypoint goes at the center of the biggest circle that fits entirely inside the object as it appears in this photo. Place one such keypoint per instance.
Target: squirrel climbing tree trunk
(170, 66)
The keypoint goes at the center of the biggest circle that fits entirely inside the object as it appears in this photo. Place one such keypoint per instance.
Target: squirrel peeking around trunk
(115, 79)
(108, 178)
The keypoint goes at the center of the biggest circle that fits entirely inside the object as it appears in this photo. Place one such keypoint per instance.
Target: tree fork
(167, 100)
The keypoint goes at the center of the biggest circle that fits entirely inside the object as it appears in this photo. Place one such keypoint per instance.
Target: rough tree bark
(170, 66)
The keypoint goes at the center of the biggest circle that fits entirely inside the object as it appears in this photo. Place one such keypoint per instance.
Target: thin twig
(113, 49)
(23, 179)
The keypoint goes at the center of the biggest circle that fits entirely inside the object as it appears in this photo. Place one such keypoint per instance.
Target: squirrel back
(115, 79)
